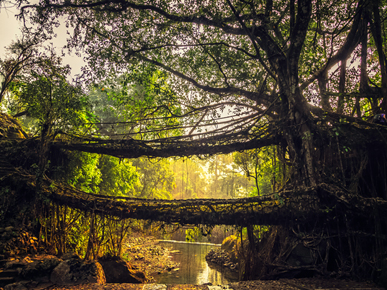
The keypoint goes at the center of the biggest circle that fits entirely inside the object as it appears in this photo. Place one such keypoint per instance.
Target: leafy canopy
(46, 96)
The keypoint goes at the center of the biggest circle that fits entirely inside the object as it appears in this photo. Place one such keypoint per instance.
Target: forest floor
(286, 284)
(146, 255)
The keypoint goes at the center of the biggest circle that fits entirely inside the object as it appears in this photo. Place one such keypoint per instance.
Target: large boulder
(118, 271)
(17, 286)
(75, 271)
(39, 268)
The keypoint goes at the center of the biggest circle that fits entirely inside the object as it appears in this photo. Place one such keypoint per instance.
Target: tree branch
(352, 40)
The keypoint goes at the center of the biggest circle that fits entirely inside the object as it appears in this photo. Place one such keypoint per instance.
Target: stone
(14, 264)
(9, 229)
(222, 259)
(16, 286)
(70, 255)
(40, 268)
(74, 271)
(118, 271)
(62, 275)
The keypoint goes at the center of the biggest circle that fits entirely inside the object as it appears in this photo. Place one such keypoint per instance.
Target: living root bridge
(272, 209)
(258, 210)
(302, 206)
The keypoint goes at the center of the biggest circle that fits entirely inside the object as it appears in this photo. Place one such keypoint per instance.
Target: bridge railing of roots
(165, 137)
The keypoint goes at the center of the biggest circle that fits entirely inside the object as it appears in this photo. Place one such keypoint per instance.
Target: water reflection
(193, 266)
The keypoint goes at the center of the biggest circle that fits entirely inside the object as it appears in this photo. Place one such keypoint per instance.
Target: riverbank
(146, 255)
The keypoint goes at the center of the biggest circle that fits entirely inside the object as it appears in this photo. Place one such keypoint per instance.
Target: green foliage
(49, 100)
(263, 166)
(83, 171)
(118, 176)
(191, 235)
(22, 56)
(155, 179)
(140, 95)
(97, 173)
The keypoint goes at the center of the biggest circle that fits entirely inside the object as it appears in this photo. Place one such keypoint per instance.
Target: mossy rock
(10, 128)
(229, 243)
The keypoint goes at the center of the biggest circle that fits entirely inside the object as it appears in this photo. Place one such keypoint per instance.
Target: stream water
(193, 267)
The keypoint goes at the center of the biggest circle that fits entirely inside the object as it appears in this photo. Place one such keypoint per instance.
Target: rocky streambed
(146, 255)
(222, 259)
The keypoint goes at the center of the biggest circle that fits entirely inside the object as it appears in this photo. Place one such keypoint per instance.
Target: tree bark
(377, 35)
(322, 83)
(340, 100)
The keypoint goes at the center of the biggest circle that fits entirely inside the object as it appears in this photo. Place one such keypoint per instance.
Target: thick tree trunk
(376, 29)
(340, 100)
(322, 83)
(300, 141)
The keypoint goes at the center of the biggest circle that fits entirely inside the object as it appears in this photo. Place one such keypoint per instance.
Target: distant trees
(227, 176)
(155, 178)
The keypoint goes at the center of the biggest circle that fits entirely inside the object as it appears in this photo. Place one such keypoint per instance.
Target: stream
(193, 267)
